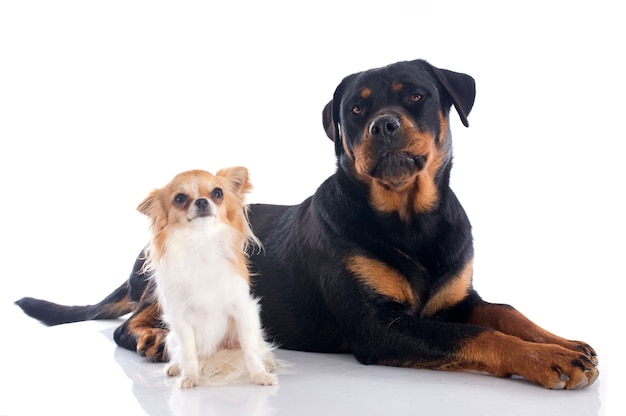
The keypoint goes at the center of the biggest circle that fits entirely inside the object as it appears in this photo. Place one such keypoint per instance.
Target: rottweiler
(378, 261)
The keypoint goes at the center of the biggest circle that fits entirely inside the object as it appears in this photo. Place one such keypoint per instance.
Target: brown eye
(357, 109)
(180, 199)
(415, 98)
(217, 195)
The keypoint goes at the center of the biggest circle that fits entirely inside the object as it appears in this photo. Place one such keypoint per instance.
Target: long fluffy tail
(49, 313)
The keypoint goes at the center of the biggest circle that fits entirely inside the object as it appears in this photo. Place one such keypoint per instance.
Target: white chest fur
(208, 306)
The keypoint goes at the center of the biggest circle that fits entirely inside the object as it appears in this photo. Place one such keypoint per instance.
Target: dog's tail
(120, 302)
(49, 313)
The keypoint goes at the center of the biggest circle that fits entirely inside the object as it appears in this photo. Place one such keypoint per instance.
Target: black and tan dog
(378, 262)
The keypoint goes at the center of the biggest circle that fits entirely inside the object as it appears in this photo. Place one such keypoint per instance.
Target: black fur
(312, 303)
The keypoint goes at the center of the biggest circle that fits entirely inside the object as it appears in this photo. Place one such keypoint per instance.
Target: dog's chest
(198, 272)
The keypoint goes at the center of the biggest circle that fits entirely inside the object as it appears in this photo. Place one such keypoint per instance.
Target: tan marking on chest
(453, 292)
(382, 278)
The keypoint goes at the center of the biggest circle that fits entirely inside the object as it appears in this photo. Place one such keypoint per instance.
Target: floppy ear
(461, 89)
(330, 115)
(238, 176)
(329, 121)
(330, 118)
(149, 204)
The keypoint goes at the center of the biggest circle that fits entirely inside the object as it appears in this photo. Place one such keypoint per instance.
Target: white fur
(214, 322)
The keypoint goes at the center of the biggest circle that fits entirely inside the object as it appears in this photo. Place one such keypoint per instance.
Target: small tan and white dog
(197, 253)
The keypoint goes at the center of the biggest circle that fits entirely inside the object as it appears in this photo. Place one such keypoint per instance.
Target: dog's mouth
(199, 215)
(397, 169)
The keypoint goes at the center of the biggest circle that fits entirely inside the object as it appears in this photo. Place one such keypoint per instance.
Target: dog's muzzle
(394, 168)
(202, 208)
(394, 164)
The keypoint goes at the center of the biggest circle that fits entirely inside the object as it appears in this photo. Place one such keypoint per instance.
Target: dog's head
(390, 126)
(196, 198)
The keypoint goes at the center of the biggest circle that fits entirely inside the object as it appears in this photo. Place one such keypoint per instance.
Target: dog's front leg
(185, 358)
(255, 349)
(384, 333)
(580, 371)
(507, 319)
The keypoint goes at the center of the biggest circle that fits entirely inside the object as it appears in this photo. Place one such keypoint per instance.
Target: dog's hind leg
(144, 332)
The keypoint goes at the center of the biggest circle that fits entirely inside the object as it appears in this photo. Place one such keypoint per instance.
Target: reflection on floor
(77, 369)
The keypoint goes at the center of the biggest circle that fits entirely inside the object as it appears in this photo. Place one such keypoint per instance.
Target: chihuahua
(197, 254)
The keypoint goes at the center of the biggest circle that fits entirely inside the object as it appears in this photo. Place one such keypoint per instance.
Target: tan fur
(418, 191)
(382, 279)
(454, 291)
(235, 184)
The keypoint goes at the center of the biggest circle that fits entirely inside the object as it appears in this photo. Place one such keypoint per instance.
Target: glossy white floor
(77, 369)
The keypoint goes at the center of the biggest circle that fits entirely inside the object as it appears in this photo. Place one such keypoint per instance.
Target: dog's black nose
(202, 203)
(384, 126)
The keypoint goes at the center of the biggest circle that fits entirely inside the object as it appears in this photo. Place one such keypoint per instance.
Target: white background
(100, 102)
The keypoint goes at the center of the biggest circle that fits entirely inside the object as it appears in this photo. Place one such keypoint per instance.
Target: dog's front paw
(151, 344)
(187, 382)
(264, 379)
(270, 363)
(173, 370)
(556, 367)
(586, 349)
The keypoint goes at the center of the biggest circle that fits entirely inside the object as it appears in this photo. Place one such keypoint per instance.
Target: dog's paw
(270, 363)
(264, 379)
(556, 367)
(586, 349)
(187, 382)
(173, 370)
(151, 344)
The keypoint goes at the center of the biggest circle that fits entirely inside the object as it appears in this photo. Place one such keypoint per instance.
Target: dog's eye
(357, 109)
(415, 98)
(180, 199)
(217, 194)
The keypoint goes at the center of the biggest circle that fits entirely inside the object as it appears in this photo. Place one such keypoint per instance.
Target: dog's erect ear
(238, 176)
(462, 91)
(148, 204)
